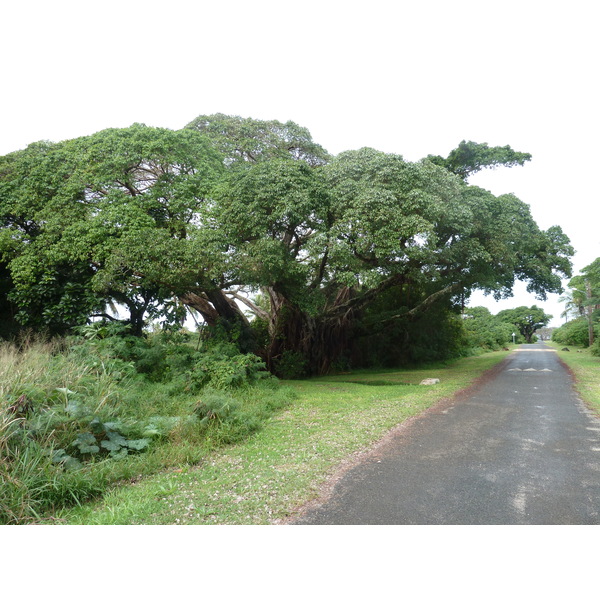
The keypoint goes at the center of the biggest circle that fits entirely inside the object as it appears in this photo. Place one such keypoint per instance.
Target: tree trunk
(589, 311)
(218, 310)
(301, 344)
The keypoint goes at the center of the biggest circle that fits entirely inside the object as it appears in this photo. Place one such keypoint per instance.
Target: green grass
(586, 369)
(267, 477)
(51, 395)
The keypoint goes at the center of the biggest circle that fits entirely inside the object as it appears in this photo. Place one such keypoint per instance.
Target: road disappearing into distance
(519, 447)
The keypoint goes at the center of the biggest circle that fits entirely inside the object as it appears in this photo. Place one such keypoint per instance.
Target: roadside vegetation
(585, 365)
(78, 415)
(87, 437)
(582, 311)
(265, 478)
(578, 340)
(128, 422)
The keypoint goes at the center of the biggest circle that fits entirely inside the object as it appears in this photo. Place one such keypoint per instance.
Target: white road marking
(540, 371)
(534, 350)
(520, 501)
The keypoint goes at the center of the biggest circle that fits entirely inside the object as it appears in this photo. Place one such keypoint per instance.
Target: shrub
(485, 330)
(226, 418)
(291, 365)
(106, 408)
(573, 333)
(221, 366)
(217, 408)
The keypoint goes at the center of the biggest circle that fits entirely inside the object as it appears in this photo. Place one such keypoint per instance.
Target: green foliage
(470, 157)
(217, 407)
(584, 298)
(222, 367)
(574, 333)
(104, 217)
(224, 420)
(592, 273)
(77, 418)
(159, 357)
(86, 443)
(380, 342)
(267, 212)
(249, 140)
(436, 340)
(106, 439)
(526, 320)
(170, 356)
(291, 365)
(485, 330)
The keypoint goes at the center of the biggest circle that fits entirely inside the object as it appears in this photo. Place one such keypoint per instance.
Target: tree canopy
(300, 256)
(471, 157)
(102, 218)
(250, 140)
(526, 319)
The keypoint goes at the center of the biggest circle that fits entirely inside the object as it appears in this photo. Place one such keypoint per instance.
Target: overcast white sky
(412, 78)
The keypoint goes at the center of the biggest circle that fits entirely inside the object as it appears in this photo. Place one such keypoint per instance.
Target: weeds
(78, 417)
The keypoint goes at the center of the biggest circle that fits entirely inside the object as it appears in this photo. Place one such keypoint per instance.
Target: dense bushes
(441, 335)
(76, 416)
(487, 331)
(575, 333)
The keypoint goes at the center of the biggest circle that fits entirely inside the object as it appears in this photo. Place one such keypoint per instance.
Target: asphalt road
(519, 448)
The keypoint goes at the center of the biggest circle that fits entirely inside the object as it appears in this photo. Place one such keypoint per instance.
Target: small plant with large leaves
(105, 439)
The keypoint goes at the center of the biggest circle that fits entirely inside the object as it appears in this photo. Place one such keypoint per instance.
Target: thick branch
(322, 266)
(366, 297)
(105, 316)
(202, 305)
(455, 287)
(133, 191)
(257, 310)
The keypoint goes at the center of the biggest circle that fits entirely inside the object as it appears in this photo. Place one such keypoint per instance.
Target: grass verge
(586, 369)
(266, 478)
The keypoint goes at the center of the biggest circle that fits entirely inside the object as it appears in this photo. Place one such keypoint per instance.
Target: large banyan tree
(296, 254)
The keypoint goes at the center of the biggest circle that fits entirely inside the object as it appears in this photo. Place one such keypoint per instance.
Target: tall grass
(31, 371)
(22, 366)
(76, 417)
